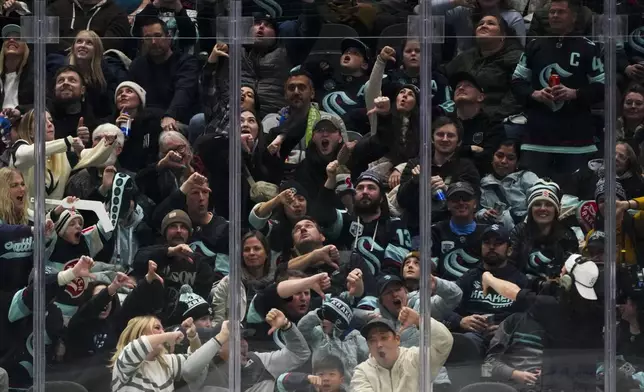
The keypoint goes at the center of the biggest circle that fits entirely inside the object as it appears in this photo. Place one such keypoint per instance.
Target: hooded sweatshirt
(258, 374)
(105, 18)
(369, 376)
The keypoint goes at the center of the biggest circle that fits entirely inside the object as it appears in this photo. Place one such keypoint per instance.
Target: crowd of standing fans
(137, 258)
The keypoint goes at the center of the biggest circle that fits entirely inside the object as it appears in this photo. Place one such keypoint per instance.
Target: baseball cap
(327, 122)
(465, 77)
(460, 187)
(377, 322)
(585, 274)
(496, 230)
(355, 43)
(10, 29)
(386, 280)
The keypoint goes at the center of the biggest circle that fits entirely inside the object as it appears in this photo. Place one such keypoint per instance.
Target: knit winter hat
(296, 186)
(176, 216)
(413, 89)
(370, 175)
(546, 191)
(191, 304)
(336, 311)
(65, 219)
(409, 255)
(134, 86)
(600, 190)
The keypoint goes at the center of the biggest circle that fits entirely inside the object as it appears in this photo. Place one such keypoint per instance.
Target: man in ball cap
(456, 242)
(369, 229)
(478, 314)
(481, 134)
(389, 361)
(572, 320)
(397, 305)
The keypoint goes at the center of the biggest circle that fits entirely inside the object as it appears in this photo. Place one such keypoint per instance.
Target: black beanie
(299, 189)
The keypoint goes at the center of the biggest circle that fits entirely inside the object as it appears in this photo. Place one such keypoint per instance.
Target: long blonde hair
(26, 131)
(7, 209)
(95, 77)
(137, 327)
(23, 63)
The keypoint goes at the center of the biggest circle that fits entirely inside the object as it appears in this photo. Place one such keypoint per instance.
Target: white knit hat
(134, 86)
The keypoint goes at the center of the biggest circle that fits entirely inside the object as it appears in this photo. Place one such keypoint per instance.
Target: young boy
(328, 376)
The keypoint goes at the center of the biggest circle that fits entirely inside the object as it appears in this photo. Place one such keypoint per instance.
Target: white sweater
(133, 373)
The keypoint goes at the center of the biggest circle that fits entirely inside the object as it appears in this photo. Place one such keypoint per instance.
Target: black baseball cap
(355, 43)
(377, 322)
(498, 231)
(386, 280)
(465, 77)
(460, 187)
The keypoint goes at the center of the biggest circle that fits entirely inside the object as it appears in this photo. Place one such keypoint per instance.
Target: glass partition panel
(305, 194)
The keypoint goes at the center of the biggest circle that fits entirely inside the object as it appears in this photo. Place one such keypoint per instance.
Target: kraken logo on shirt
(544, 76)
(333, 103)
(538, 262)
(459, 262)
(636, 40)
(77, 286)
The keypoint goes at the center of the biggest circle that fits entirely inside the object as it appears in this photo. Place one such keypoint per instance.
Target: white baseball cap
(585, 275)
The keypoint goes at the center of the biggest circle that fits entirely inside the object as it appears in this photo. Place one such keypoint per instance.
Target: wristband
(66, 277)
(288, 326)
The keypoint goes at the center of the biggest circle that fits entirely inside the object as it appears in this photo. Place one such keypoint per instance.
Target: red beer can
(554, 80)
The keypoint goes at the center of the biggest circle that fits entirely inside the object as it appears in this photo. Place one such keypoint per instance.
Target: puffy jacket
(494, 74)
(514, 189)
(404, 375)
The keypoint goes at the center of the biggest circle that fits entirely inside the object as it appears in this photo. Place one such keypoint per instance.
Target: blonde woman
(16, 70)
(13, 197)
(144, 360)
(62, 155)
(15, 231)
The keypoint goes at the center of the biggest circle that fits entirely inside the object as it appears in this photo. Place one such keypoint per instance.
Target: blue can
(440, 195)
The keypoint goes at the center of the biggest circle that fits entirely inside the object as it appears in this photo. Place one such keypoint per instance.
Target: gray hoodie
(205, 375)
(352, 349)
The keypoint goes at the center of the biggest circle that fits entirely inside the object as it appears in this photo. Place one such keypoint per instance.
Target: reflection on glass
(141, 111)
